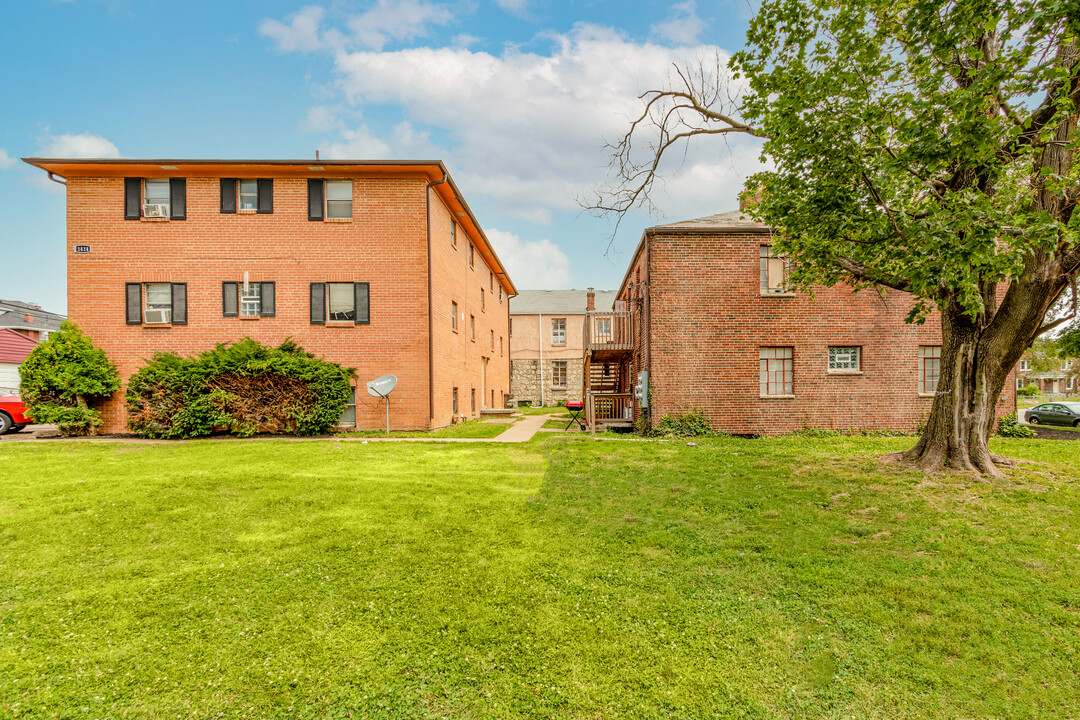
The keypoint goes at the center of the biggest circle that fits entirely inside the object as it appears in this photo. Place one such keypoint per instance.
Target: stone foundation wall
(525, 379)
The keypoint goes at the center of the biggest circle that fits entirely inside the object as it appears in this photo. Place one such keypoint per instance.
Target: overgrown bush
(64, 377)
(1009, 426)
(1029, 391)
(242, 388)
(689, 423)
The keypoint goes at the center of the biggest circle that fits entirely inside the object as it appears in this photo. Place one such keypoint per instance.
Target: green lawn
(468, 429)
(568, 577)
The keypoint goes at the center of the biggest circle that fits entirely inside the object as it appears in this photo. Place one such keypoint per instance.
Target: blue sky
(516, 96)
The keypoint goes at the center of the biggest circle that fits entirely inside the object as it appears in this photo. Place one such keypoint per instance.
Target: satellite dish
(382, 387)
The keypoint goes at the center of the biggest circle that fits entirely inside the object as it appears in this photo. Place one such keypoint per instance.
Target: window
(1019, 383)
(455, 402)
(472, 398)
(249, 194)
(844, 359)
(339, 199)
(157, 303)
(1025, 365)
(453, 233)
(472, 328)
(156, 192)
(500, 293)
(348, 417)
(558, 331)
(453, 316)
(339, 302)
(256, 196)
(256, 299)
(929, 368)
(471, 249)
(500, 346)
(777, 370)
(491, 282)
(492, 341)
(482, 307)
(773, 272)
(558, 373)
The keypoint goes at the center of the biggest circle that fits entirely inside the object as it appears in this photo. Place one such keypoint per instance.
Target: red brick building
(703, 309)
(374, 265)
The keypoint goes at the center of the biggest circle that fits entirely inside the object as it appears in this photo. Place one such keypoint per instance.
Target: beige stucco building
(547, 343)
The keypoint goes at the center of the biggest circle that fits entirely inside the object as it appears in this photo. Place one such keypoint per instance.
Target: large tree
(918, 145)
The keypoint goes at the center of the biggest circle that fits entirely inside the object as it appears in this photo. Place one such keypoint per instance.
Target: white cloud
(523, 127)
(80, 145)
(533, 265)
(514, 7)
(382, 22)
(405, 143)
(682, 26)
(302, 32)
(6, 161)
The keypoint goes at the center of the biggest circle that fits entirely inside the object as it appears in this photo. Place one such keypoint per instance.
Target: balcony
(608, 331)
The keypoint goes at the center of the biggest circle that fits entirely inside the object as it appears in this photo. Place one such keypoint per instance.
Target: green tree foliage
(64, 377)
(922, 146)
(241, 388)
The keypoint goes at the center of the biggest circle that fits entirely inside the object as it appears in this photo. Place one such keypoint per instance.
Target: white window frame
(250, 300)
(248, 191)
(558, 332)
(336, 207)
(1025, 365)
(350, 313)
(453, 316)
(160, 309)
(929, 369)
(348, 415)
(559, 373)
(157, 199)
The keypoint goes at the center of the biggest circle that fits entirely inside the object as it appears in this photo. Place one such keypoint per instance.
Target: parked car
(1057, 413)
(13, 417)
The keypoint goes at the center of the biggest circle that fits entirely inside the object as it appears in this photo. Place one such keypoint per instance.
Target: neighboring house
(704, 311)
(377, 265)
(28, 319)
(14, 347)
(1053, 376)
(546, 343)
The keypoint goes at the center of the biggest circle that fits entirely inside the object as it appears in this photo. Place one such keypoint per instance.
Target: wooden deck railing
(609, 330)
(604, 408)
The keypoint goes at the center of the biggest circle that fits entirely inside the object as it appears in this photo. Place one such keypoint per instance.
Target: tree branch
(863, 272)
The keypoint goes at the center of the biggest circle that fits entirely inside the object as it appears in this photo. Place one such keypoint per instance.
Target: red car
(13, 417)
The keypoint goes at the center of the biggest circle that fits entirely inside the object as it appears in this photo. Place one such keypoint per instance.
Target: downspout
(58, 182)
(509, 360)
(430, 309)
(540, 367)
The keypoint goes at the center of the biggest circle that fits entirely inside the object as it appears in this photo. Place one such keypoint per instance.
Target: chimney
(590, 300)
(749, 196)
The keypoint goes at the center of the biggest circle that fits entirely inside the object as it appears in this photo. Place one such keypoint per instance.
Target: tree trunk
(977, 356)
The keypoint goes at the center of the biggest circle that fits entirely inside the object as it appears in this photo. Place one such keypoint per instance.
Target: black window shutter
(132, 199)
(229, 300)
(318, 303)
(363, 303)
(179, 303)
(267, 291)
(134, 303)
(228, 195)
(178, 198)
(266, 196)
(314, 199)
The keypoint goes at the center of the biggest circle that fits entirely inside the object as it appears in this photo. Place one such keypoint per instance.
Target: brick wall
(384, 244)
(707, 321)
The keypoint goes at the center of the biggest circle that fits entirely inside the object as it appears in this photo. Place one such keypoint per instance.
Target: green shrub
(241, 388)
(1009, 426)
(1029, 391)
(689, 423)
(64, 377)
(819, 432)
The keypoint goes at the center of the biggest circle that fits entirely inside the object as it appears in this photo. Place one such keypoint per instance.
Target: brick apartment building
(546, 335)
(704, 310)
(380, 266)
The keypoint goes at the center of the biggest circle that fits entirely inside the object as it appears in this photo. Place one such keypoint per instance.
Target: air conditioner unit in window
(155, 211)
(157, 316)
